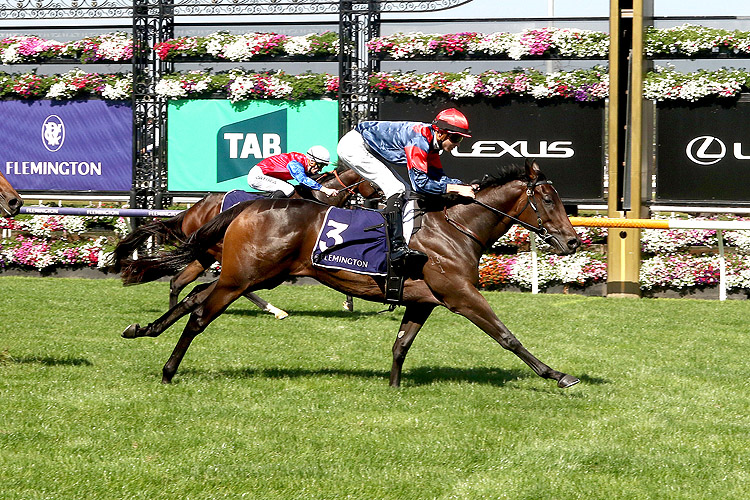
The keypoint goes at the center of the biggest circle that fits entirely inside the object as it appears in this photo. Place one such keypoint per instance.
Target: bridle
(347, 188)
(539, 230)
(334, 173)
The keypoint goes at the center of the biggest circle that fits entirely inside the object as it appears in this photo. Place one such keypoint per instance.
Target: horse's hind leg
(266, 306)
(216, 303)
(180, 281)
(414, 318)
(193, 300)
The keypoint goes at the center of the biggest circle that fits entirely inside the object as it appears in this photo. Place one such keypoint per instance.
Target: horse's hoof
(281, 314)
(348, 306)
(130, 331)
(567, 381)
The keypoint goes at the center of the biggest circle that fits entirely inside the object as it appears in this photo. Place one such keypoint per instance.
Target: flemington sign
(565, 138)
(703, 154)
(67, 146)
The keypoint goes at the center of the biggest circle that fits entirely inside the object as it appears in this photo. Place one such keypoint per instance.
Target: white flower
(298, 45)
(171, 89)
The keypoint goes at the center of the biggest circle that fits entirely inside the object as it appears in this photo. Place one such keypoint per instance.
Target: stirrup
(409, 263)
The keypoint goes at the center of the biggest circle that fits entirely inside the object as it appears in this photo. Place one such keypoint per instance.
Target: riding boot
(403, 260)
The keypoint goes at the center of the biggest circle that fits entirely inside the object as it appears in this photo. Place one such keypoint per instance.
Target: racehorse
(268, 241)
(179, 227)
(10, 201)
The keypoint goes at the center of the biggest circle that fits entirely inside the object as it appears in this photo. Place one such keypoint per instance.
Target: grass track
(301, 408)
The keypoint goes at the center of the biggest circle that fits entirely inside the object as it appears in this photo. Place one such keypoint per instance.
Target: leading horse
(10, 201)
(266, 242)
(178, 228)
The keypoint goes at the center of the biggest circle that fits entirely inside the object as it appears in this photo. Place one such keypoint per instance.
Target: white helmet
(319, 154)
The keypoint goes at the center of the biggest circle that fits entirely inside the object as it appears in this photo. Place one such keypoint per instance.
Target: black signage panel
(703, 154)
(565, 138)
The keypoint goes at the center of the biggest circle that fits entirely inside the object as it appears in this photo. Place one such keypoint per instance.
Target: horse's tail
(168, 230)
(153, 267)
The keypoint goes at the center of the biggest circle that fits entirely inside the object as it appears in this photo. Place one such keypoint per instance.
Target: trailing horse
(177, 229)
(10, 201)
(267, 242)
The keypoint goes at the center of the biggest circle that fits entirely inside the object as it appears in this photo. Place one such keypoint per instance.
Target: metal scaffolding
(154, 22)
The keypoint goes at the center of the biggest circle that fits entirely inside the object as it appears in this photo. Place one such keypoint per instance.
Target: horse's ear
(532, 168)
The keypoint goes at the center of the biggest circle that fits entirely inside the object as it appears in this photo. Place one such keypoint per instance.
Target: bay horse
(268, 241)
(10, 201)
(179, 227)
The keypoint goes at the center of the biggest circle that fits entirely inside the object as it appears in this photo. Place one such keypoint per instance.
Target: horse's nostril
(573, 243)
(15, 203)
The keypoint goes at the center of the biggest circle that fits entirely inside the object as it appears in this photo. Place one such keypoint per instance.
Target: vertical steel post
(359, 21)
(630, 138)
(153, 22)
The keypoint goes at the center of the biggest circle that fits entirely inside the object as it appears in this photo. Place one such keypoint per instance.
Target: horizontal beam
(659, 223)
(111, 212)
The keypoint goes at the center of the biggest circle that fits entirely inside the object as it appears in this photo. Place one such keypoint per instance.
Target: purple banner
(66, 145)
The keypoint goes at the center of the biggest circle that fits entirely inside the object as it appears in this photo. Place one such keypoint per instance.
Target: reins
(539, 230)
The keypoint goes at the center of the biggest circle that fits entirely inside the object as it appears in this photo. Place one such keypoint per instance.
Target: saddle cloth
(352, 240)
(236, 196)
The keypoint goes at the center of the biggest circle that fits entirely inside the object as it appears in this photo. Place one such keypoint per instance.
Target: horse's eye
(548, 200)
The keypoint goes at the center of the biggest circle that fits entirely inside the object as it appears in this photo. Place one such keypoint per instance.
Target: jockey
(273, 172)
(417, 146)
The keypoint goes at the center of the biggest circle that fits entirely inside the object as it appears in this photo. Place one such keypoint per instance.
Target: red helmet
(452, 120)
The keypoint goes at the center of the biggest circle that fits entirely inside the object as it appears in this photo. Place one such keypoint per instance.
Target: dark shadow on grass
(587, 379)
(306, 314)
(256, 313)
(420, 376)
(52, 361)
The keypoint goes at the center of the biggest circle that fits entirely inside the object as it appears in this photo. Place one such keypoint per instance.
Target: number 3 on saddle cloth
(352, 240)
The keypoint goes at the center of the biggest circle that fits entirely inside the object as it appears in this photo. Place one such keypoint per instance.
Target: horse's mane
(501, 176)
(505, 174)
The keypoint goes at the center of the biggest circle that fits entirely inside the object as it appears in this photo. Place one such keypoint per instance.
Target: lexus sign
(564, 137)
(703, 154)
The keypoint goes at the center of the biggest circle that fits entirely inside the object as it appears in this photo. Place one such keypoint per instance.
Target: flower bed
(248, 46)
(240, 85)
(45, 242)
(667, 264)
(579, 85)
(72, 84)
(545, 42)
(112, 47)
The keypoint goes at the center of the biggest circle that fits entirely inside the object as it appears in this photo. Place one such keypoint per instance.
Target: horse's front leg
(349, 303)
(414, 317)
(190, 302)
(471, 304)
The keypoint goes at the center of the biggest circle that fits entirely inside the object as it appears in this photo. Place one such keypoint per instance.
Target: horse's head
(531, 200)
(10, 201)
(348, 183)
(544, 209)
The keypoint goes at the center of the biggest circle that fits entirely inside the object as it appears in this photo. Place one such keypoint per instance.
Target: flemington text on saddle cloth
(352, 240)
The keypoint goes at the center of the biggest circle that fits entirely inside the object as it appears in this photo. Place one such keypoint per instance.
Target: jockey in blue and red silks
(273, 172)
(417, 146)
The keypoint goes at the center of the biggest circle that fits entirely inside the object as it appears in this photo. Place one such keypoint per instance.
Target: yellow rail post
(629, 133)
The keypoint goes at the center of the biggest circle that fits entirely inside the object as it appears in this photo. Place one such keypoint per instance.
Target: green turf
(301, 408)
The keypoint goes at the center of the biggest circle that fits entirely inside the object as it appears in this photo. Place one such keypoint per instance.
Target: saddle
(355, 240)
